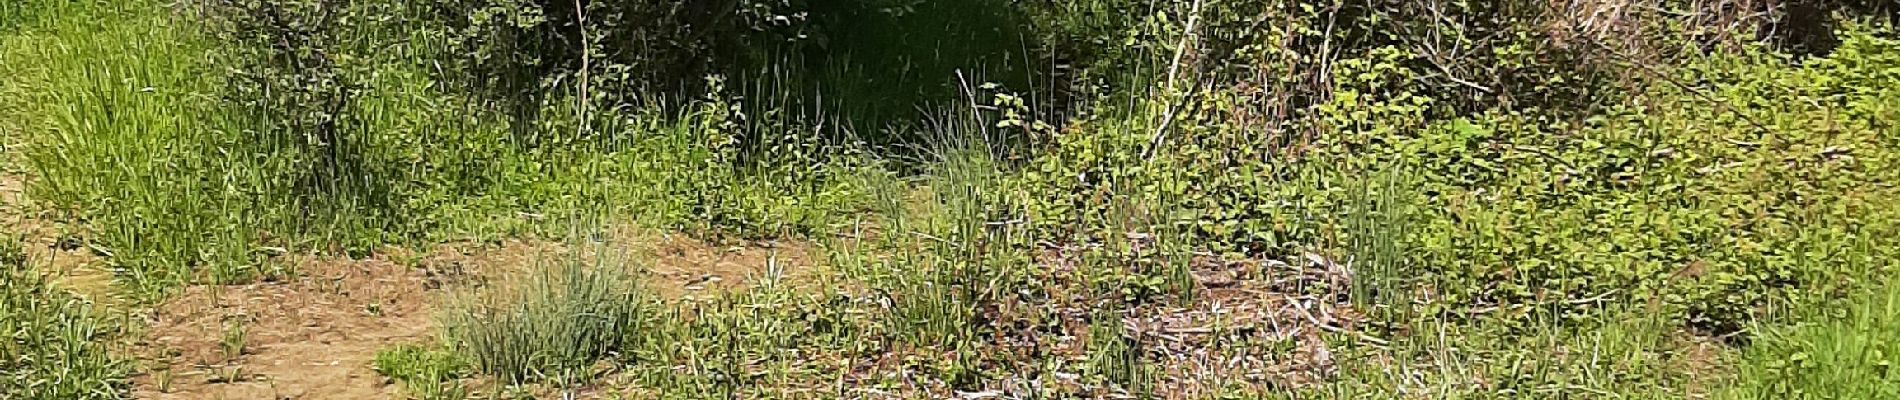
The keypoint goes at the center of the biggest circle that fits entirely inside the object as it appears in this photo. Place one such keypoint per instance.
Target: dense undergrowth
(1521, 200)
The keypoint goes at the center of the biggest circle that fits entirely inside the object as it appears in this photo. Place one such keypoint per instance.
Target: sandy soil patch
(316, 335)
(312, 337)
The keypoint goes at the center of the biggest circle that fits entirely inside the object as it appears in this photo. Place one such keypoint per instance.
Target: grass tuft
(552, 324)
(53, 346)
(427, 374)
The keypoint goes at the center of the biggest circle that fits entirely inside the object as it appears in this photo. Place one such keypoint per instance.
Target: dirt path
(316, 336)
(313, 337)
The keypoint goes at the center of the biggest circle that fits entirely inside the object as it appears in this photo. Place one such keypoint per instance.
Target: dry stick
(1194, 17)
(1301, 306)
(1174, 68)
(580, 16)
(1167, 120)
(1572, 169)
(1327, 57)
(1453, 77)
(1432, 55)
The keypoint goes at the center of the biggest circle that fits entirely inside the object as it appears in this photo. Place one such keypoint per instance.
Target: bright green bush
(1680, 199)
(1711, 200)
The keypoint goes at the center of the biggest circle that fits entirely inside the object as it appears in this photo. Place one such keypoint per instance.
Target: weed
(428, 374)
(1115, 356)
(234, 336)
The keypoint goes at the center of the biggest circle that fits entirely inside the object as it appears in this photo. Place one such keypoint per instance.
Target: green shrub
(1680, 200)
(806, 57)
(1676, 198)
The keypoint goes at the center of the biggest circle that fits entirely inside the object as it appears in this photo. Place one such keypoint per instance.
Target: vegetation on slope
(1076, 198)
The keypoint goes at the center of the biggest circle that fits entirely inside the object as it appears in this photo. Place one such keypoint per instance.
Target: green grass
(426, 373)
(53, 345)
(1826, 353)
(1626, 354)
(115, 105)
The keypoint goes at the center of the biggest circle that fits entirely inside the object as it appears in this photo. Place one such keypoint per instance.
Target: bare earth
(311, 338)
(316, 336)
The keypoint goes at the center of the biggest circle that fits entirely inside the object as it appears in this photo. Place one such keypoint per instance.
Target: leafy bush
(1680, 200)
(809, 57)
(292, 80)
(1521, 212)
(512, 48)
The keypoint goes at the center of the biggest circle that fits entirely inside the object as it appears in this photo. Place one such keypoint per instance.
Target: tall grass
(116, 107)
(1378, 231)
(1629, 355)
